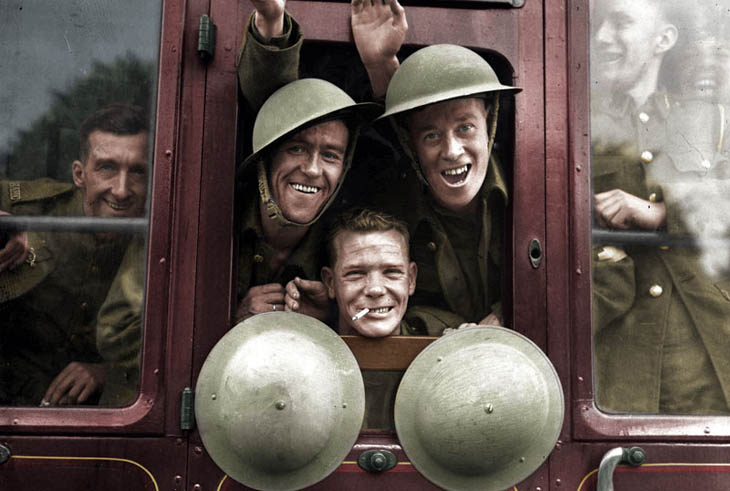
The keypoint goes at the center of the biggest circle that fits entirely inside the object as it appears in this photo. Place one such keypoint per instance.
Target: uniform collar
(621, 105)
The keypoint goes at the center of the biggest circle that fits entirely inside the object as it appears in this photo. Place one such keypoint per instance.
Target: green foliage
(49, 146)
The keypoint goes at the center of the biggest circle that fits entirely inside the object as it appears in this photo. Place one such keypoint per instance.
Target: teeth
(381, 310)
(305, 189)
(455, 172)
(116, 206)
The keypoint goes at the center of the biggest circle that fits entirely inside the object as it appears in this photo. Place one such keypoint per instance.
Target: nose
(451, 148)
(311, 166)
(121, 187)
(603, 34)
(375, 286)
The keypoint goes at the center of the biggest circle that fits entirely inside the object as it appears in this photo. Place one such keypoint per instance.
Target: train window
(79, 82)
(660, 84)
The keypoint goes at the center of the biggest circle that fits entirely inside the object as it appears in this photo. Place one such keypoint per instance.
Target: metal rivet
(197, 487)
(280, 405)
(198, 450)
(647, 156)
(522, 459)
(707, 430)
(489, 408)
(344, 405)
(213, 396)
(440, 359)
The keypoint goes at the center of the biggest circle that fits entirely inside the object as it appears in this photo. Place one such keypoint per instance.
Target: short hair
(363, 220)
(119, 119)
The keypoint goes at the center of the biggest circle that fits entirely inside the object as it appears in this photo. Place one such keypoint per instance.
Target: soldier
(303, 140)
(660, 322)
(370, 275)
(49, 302)
(443, 101)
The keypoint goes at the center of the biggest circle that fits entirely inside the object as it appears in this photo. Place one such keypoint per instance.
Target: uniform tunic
(662, 326)
(53, 323)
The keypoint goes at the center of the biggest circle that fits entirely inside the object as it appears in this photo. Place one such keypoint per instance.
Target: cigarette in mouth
(360, 314)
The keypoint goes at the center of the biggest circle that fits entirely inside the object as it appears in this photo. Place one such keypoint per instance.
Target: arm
(379, 29)
(618, 209)
(269, 55)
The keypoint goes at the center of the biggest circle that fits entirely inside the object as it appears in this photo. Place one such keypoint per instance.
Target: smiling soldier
(50, 298)
(303, 140)
(370, 274)
(443, 101)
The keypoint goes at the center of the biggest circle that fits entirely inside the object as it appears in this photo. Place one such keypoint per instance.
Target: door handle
(634, 456)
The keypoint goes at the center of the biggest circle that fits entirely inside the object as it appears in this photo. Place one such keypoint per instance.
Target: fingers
(14, 252)
(309, 286)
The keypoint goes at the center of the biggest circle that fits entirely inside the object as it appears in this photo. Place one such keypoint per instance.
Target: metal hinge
(187, 409)
(206, 37)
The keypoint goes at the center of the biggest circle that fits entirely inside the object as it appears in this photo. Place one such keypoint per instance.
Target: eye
(331, 156)
(295, 148)
(394, 272)
(466, 127)
(430, 136)
(354, 274)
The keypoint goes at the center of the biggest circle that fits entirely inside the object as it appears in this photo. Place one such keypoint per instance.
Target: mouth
(705, 84)
(456, 175)
(117, 206)
(301, 188)
(609, 56)
(380, 311)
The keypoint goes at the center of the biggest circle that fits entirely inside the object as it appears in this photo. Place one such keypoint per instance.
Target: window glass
(76, 135)
(660, 89)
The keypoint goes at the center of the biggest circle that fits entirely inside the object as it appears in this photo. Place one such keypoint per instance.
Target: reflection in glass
(75, 147)
(661, 177)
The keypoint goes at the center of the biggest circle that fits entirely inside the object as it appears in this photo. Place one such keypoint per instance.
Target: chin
(378, 331)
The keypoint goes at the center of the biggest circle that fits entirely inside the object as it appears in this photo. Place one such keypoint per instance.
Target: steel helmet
(438, 73)
(479, 409)
(293, 107)
(279, 401)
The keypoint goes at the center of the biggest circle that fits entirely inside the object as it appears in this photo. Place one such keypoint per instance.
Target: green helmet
(296, 106)
(479, 409)
(279, 401)
(438, 73)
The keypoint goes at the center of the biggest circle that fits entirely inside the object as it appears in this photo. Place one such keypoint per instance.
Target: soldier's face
(705, 73)
(371, 271)
(305, 169)
(630, 39)
(452, 144)
(113, 179)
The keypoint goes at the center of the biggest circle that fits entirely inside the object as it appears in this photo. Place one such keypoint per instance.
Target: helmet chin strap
(272, 209)
(405, 139)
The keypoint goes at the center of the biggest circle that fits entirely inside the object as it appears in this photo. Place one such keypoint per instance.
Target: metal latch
(377, 460)
(187, 409)
(534, 251)
(206, 37)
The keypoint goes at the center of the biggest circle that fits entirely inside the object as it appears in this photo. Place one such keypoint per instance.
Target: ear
(412, 273)
(328, 277)
(666, 39)
(78, 174)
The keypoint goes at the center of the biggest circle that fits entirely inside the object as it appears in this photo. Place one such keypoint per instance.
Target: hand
(491, 320)
(15, 251)
(307, 297)
(619, 209)
(260, 299)
(269, 18)
(75, 384)
(379, 28)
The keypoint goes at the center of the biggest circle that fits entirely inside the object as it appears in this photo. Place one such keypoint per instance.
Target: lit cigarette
(360, 314)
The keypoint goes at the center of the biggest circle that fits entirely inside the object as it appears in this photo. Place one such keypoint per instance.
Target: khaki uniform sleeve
(265, 67)
(430, 321)
(119, 333)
